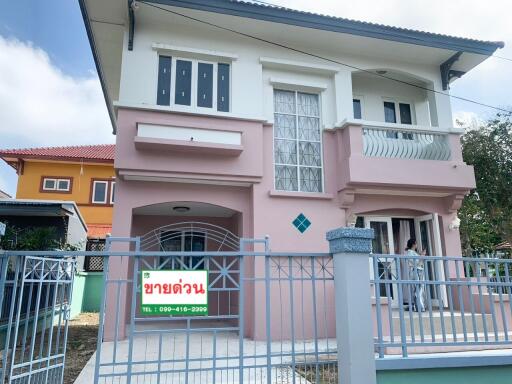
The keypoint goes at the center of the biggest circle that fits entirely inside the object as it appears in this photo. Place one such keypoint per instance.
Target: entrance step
(438, 323)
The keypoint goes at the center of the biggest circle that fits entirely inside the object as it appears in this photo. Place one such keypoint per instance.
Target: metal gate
(270, 320)
(35, 303)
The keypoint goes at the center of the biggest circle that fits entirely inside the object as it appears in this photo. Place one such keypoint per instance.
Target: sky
(50, 93)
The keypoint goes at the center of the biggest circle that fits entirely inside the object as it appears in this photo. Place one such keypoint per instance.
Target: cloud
(467, 119)
(42, 106)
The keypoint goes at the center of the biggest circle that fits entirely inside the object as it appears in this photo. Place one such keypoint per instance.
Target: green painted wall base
(466, 375)
(87, 292)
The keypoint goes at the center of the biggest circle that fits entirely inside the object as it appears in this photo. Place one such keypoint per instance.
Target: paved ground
(172, 350)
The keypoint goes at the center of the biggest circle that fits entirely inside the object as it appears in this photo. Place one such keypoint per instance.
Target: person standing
(417, 273)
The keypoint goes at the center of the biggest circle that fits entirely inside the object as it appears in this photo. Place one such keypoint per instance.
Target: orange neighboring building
(83, 174)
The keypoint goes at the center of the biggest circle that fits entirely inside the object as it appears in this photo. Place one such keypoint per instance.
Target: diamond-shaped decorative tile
(302, 223)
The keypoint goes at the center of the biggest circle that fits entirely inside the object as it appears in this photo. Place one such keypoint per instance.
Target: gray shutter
(223, 88)
(204, 85)
(163, 96)
(183, 82)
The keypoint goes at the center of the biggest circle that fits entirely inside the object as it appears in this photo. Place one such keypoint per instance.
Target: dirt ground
(82, 336)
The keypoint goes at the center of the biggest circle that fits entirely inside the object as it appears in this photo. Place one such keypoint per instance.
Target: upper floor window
(103, 192)
(356, 103)
(56, 184)
(194, 83)
(404, 116)
(297, 142)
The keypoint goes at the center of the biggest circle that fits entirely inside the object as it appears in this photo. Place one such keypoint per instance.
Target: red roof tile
(98, 231)
(103, 152)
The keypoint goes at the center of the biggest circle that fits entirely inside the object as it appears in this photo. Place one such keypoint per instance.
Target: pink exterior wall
(246, 167)
(262, 211)
(356, 170)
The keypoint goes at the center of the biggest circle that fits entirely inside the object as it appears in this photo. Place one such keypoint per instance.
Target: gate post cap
(350, 240)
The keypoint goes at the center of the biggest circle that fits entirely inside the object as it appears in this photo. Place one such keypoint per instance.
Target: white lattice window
(297, 142)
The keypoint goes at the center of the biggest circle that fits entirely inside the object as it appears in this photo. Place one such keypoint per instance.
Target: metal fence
(270, 320)
(271, 316)
(440, 304)
(36, 296)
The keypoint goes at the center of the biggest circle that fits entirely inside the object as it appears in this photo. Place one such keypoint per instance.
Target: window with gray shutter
(164, 81)
(204, 85)
(223, 87)
(183, 82)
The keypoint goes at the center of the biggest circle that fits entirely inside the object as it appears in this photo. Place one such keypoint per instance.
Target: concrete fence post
(350, 248)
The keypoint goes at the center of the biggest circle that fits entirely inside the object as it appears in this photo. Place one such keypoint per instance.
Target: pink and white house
(265, 121)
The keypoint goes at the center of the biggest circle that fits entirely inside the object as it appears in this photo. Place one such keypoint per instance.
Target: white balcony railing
(405, 144)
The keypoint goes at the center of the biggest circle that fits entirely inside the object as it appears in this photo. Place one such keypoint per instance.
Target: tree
(33, 239)
(486, 214)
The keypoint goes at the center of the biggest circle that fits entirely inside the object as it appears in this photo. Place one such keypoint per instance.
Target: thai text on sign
(175, 293)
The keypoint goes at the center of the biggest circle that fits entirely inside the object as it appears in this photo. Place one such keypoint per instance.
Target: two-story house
(256, 121)
(83, 174)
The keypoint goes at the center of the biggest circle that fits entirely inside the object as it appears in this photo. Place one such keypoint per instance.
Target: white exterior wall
(250, 79)
(77, 234)
(373, 91)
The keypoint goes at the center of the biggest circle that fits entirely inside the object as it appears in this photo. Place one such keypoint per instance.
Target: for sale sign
(175, 293)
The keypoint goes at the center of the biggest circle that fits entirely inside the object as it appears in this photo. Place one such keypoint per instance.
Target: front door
(428, 236)
(383, 244)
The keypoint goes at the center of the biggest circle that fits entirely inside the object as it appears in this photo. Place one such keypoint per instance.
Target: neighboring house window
(356, 103)
(102, 192)
(193, 83)
(56, 184)
(112, 192)
(297, 141)
(182, 241)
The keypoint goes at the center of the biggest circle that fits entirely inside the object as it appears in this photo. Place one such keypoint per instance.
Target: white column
(354, 330)
(343, 91)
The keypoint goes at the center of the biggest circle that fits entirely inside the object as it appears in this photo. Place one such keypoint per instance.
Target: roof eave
(8, 156)
(90, 35)
(307, 20)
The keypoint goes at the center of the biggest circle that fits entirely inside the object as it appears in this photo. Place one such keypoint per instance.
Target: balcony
(188, 148)
(405, 144)
(378, 157)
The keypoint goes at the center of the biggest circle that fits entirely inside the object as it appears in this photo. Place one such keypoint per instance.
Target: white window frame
(397, 103)
(194, 78)
(112, 187)
(56, 184)
(49, 179)
(296, 91)
(94, 191)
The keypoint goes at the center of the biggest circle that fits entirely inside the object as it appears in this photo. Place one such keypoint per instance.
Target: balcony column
(343, 90)
(354, 325)
(440, 108)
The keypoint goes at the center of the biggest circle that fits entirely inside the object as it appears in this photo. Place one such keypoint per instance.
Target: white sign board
(2, 229)
(174, 293)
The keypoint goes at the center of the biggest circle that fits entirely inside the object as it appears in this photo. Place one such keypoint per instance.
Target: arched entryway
(186, 226)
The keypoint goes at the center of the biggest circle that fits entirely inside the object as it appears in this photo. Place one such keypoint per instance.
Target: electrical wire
(328, 59)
